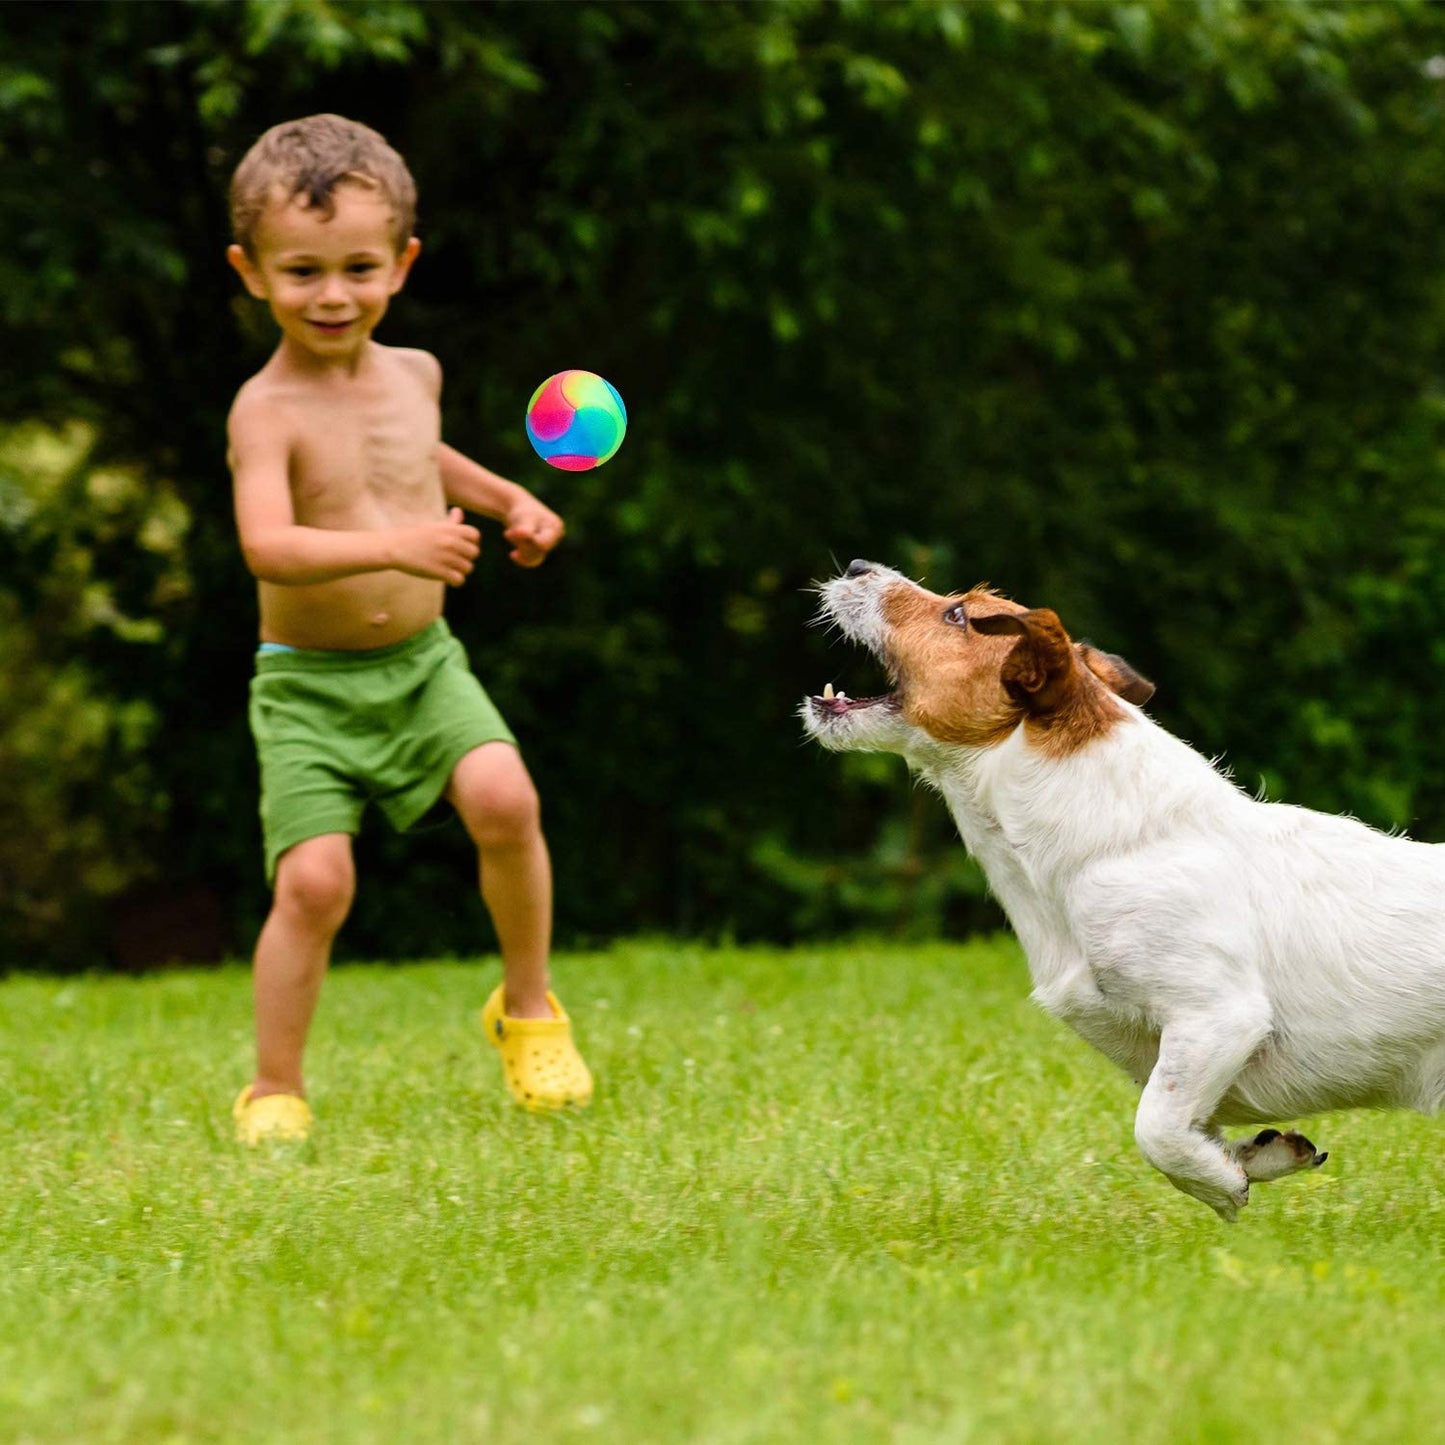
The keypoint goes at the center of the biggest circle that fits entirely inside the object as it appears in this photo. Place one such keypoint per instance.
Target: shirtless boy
(350, 512)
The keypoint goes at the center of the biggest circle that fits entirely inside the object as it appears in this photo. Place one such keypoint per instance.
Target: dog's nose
(857, 567)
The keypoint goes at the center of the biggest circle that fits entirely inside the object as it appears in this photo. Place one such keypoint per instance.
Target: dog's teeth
(827, 692)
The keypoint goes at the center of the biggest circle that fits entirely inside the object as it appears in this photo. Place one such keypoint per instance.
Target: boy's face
(328, 280)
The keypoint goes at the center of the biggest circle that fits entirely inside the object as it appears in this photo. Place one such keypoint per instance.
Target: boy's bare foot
(526, 1007)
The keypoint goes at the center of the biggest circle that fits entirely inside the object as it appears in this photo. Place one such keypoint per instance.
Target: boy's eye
(300, 270)
(360, 268)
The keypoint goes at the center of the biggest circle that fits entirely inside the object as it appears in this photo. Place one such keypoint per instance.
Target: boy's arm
(277, 549)
(532, 528)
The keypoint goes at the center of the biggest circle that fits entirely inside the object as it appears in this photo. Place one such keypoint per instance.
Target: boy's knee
(318, 883)
(505, 816)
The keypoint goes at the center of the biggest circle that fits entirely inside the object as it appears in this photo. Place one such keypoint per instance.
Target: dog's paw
(1272, 1155)
(1228, 1208)
(1225, 1191)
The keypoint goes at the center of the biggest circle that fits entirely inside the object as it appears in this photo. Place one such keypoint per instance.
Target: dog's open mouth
(837, 703)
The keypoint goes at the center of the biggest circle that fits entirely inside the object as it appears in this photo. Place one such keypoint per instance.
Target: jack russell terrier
(1243, 961)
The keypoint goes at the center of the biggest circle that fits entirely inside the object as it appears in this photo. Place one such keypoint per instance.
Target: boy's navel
(381, 619)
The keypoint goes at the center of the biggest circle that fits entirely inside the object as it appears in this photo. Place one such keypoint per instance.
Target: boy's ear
(243, 266)
(407, 255)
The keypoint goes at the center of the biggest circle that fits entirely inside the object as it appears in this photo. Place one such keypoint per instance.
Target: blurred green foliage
(1133, 309)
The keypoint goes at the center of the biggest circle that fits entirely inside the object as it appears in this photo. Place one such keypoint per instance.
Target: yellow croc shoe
(539, 1060)
(273, 1117)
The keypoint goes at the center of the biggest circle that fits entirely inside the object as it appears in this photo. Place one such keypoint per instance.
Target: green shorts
(337, 730)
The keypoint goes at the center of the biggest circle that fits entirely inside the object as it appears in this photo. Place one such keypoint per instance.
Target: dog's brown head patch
(948, 678)
(972, 667)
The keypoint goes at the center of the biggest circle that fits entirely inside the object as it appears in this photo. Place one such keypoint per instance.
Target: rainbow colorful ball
(576, 421)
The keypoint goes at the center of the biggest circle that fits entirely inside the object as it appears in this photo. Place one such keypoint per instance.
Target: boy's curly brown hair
(311, 157)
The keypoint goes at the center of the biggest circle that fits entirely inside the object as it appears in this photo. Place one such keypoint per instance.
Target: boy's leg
(315, 883)
(492, 791)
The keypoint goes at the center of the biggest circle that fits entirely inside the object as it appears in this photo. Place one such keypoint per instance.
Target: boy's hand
(533, 530)
(445, 550)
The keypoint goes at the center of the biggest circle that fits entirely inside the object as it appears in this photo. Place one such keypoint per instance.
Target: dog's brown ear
(1116, 674)
(1040, 669)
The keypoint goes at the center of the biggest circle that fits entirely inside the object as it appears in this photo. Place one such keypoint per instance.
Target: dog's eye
(955, 616)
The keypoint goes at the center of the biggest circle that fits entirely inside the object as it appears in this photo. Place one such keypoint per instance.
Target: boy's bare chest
(361, 462)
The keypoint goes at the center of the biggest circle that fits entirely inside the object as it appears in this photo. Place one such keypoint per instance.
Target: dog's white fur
(1244, 961)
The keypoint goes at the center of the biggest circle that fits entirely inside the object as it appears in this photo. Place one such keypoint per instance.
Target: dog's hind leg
(1429, 1093)
(1200, 1055)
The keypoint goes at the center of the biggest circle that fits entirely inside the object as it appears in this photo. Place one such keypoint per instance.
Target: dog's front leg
(1200, 1055)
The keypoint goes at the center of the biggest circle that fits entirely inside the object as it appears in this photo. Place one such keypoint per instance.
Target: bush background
(1134, 310)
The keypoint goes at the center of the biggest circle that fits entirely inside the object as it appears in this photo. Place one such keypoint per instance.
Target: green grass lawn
(850, 1194)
